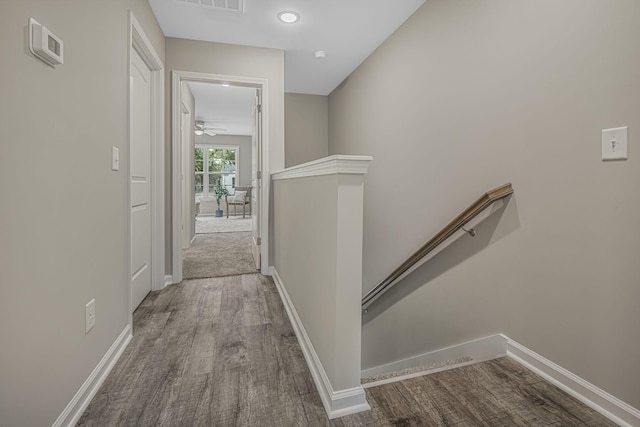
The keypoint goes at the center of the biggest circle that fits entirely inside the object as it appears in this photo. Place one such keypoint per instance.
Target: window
(213, 164)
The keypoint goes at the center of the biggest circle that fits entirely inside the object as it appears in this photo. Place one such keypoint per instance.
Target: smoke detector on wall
(231, 5)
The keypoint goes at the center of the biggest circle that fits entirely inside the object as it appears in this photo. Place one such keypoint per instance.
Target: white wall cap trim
(336, 403)
(79, 402)
(332, 165)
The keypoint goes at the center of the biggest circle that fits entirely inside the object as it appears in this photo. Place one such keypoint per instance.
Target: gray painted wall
(320, 266)
(218, 58)
(63, 214)
(306, 130)
(309, 280)
(468, 95)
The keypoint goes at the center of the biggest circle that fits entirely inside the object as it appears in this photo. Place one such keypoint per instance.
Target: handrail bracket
(486, 200)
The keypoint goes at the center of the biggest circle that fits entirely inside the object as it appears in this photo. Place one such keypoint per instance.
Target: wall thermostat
(44, 44)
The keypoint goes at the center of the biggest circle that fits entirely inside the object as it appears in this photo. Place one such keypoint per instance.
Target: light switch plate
(614, 144)
(115, 158)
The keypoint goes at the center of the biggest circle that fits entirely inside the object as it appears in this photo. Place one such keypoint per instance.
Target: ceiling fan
(202, 129)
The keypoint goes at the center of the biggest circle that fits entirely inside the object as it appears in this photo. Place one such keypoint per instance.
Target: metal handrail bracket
(485, 201)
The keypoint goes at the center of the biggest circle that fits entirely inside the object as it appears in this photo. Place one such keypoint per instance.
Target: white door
(140, 166)
(256, 177)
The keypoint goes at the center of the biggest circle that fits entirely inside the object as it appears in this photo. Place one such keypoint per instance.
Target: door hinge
(259, 108)
(259, 175)
(258, 241)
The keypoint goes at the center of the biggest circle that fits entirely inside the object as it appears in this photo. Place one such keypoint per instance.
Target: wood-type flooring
(221, 352)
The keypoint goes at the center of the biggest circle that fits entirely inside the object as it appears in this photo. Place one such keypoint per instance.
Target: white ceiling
(348, 30)
(228, 108)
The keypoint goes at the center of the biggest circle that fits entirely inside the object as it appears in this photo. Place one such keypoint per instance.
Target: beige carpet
(217, 255)
(211, 224)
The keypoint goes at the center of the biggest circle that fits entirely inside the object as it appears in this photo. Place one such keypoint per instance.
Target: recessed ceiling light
(288, 17)
(225, 85)
(320, 54)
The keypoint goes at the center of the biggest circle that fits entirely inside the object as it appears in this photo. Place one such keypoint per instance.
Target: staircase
(349, 340)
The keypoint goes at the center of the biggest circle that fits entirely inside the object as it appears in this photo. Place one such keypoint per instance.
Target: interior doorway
(140, 179)
(145, 170)
(220, 169)
(224, 163)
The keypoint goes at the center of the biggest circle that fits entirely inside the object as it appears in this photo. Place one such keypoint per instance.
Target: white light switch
(115, 158)
(614, 144)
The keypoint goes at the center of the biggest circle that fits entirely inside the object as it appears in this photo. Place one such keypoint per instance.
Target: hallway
(221, 352)
(209, 352)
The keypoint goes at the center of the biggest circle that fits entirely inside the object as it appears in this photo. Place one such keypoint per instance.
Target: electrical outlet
(90, 315)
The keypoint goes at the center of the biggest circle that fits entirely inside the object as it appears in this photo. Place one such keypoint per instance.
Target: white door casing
(256, 179)
(140, 48)
(177, 192)
(140, 179)
(187, 172)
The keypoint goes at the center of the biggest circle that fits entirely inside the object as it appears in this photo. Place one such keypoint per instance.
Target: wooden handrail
(486, 200)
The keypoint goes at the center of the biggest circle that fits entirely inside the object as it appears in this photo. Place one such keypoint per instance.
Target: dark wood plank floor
(221, 352)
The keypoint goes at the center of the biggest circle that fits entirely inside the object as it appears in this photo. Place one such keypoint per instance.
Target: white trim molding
(495, 346)
(168, 280)
(338, 164)
(79, 402)
(262, 84)
(597, 399)
(337, 403)
(478, 350)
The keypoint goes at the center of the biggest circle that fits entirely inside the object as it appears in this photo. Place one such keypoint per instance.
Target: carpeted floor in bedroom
(217, 255)
(212, 224)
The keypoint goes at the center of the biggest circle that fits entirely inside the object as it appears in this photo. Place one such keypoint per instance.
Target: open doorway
(217, 188)
(220, 171)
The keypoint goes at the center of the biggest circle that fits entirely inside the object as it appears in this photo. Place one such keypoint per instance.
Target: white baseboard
(336, 403)
(500, 345)
(168, 280)
(597, 399)
(75, 408)
(479, 350)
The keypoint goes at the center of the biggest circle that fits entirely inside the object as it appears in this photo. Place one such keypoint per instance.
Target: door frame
(139, 42)
(185, 240)
(177, 78)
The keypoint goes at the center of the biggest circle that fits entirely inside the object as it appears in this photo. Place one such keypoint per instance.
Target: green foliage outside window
(214, 167)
